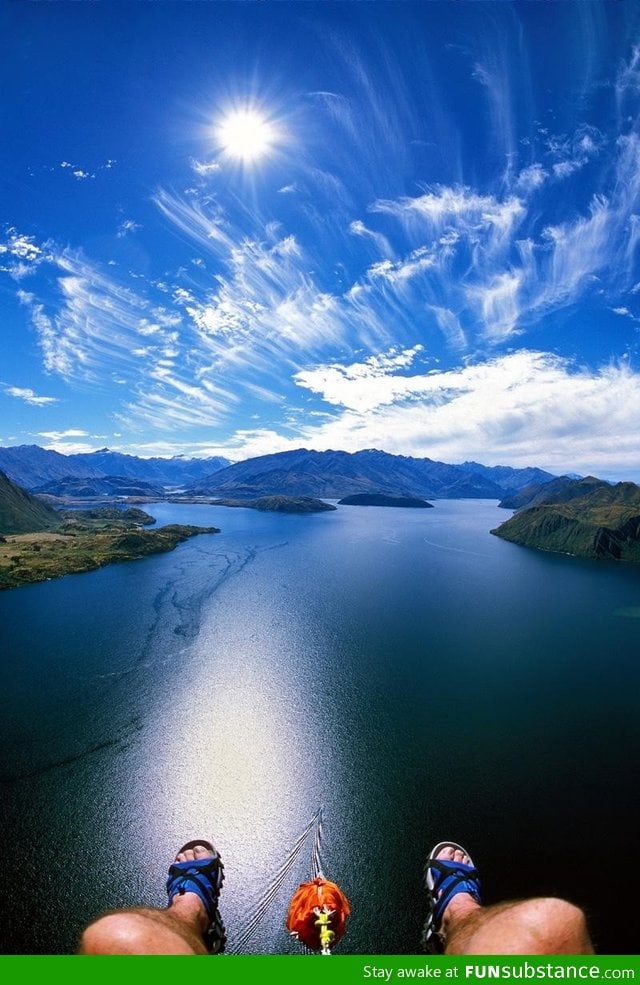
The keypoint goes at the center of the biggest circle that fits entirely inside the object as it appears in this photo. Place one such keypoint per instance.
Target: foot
(464, 904)
(188, 906)
(193, 887)
(453, 889)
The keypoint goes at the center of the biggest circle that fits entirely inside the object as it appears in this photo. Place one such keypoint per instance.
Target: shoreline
(31, 558)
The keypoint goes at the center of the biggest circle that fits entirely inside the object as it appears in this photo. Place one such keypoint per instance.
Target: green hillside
(38, 543)
(20, 512)
(604, 523)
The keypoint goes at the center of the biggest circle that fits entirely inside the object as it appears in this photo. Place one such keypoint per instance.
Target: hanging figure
(318, 914)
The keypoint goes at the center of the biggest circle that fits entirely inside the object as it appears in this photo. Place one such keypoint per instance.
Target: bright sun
(246, 134)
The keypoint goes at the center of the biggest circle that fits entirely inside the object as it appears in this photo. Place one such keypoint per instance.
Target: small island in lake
(279, 504)
(382, 499)
(38, 542)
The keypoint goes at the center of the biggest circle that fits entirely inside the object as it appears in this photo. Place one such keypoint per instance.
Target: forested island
(267, 504)
(382, 499)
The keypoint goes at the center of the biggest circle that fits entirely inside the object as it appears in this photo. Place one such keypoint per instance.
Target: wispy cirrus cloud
(493, 259)
(94, 324)
(449, 324)
(126, 227)
(97, 331)
(627, 82)
(400, 271)
(493, 74)
(480, 267)
(28, 395)
(183, 361)
(205, 169)
(461, 206)
(568, 154)
(267, 308)
(170, 402)
(499, 303)
(358, 228)
(465, 257)
(531, 178)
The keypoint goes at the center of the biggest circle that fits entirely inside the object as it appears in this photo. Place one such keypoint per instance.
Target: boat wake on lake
(458, 550)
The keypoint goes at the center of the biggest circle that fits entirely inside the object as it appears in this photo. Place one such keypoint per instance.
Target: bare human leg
(534, 926)
(180, 929)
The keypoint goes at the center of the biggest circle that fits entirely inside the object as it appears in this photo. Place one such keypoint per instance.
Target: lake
(416, 677)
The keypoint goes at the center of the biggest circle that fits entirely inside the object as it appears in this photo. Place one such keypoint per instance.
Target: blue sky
(242, 228)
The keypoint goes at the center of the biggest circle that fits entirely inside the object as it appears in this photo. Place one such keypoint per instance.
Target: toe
(451, 853)
(446, 853)
(201, 851)
(195, 851)
(186, 856)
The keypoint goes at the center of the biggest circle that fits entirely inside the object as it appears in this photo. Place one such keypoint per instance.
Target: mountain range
(99, 487)
(328, 474)
(335, 474)
(31, 466)
(586, 517)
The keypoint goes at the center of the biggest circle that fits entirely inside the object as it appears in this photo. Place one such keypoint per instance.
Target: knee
(562, 913)
(115, 933)
(558, 924)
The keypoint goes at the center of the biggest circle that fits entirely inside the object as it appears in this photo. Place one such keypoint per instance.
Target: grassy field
(33, 557)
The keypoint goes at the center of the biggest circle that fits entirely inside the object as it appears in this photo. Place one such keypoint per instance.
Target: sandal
(444, 879)
(204, 877)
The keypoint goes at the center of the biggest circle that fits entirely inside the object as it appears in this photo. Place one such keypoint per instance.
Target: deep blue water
(417, 677)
